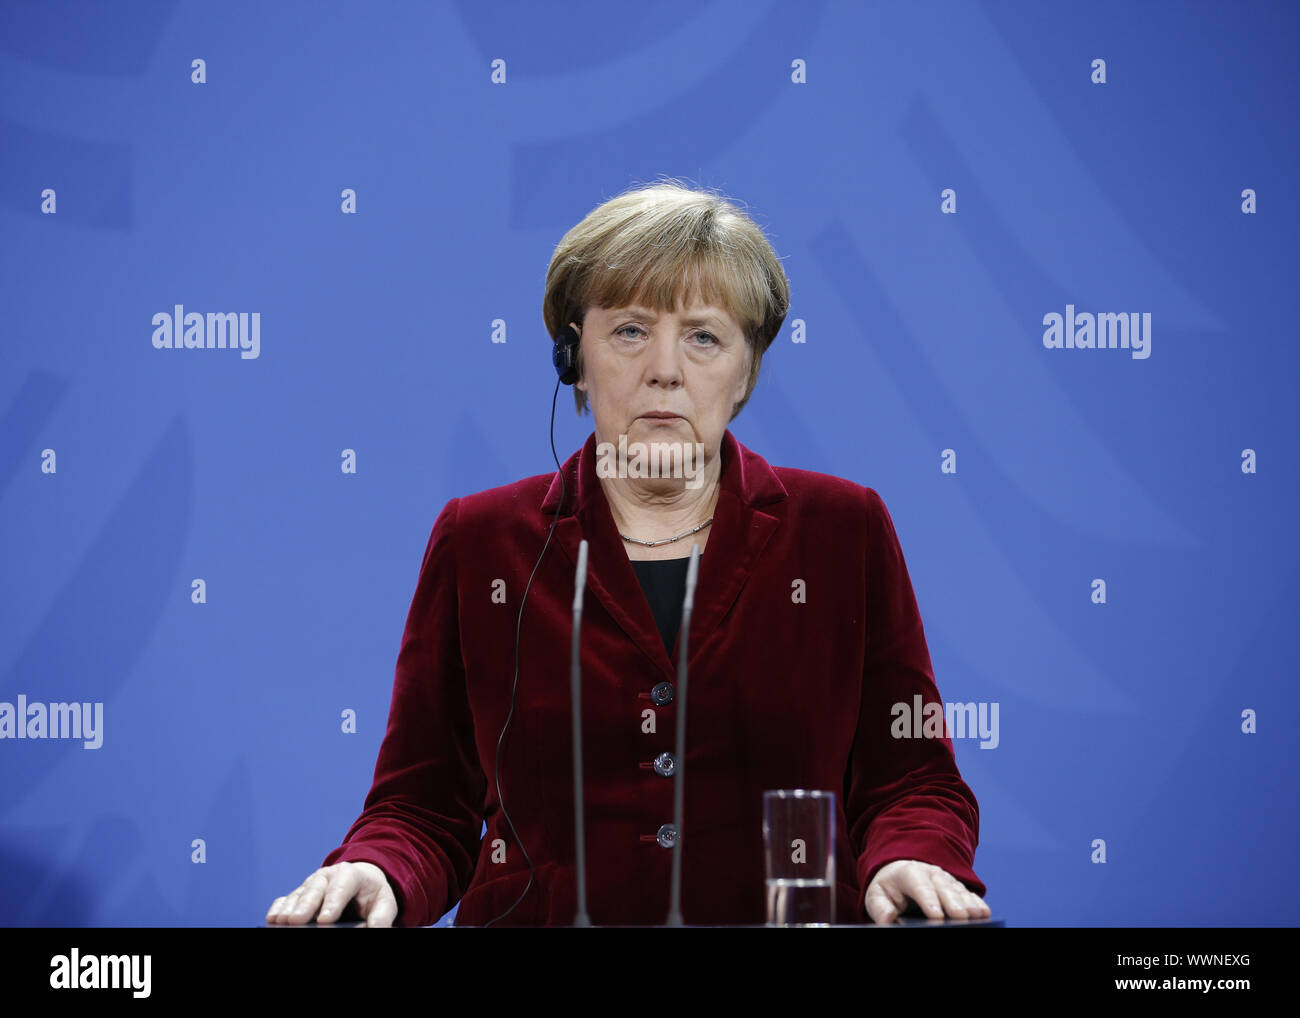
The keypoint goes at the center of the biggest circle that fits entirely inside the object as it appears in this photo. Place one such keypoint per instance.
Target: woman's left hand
(936, 890)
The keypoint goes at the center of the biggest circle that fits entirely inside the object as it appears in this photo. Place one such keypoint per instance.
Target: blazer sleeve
(422, 818)
(905, 798)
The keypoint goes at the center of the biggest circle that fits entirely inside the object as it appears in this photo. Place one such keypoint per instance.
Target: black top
(664, 583)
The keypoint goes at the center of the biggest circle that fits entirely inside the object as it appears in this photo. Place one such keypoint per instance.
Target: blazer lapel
(739, 533)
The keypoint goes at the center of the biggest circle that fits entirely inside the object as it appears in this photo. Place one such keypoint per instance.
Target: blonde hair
(657, 244)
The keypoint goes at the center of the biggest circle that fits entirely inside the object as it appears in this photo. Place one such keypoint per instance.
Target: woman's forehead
(693, 314)
(654, 292)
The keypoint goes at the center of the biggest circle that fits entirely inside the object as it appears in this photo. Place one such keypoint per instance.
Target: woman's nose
(665, 360)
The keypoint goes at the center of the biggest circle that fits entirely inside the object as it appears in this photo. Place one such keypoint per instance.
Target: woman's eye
(704, 338)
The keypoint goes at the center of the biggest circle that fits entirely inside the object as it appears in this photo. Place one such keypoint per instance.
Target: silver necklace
(668, 540)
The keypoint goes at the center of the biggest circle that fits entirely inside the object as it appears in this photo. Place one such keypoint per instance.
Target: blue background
(1118, 721)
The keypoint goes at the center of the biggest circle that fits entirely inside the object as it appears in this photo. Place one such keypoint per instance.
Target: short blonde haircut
(658, 244)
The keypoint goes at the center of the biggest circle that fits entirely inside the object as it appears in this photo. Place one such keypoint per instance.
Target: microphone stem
(575, 690)
(679, 761)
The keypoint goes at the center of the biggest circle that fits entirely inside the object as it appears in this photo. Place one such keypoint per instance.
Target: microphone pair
(581, 917)
(564, 357)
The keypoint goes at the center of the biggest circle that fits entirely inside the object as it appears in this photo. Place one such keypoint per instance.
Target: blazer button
(667, 835)
(665, 765)
(662, 694)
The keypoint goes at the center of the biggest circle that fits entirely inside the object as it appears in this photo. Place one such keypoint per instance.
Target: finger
(383, 910)
(884, 900)
(293, 905)
(307, 900)
(291, 900)
(952, 895)
(341, 890)
(918, 884)
(273, 913)
(375, 897)
(879, 908)
(977, 906)
(289, 904)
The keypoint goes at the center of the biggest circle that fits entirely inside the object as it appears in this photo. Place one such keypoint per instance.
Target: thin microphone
(679, 767)
(575, 693)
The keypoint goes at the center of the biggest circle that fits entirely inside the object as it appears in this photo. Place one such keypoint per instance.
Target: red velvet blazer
(783, 693)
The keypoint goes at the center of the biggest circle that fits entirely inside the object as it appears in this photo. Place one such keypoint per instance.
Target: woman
(805, 634)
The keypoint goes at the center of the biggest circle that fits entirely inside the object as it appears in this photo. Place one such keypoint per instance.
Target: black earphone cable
(518, 625)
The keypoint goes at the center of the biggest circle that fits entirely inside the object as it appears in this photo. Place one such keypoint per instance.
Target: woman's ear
(579, 384)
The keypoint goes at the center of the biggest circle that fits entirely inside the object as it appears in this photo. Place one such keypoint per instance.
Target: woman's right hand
(360, 887)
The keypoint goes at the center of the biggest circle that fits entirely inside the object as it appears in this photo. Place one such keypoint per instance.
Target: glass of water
(799, 844)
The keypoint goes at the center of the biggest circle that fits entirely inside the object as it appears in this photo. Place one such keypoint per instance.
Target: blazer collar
(739, 532)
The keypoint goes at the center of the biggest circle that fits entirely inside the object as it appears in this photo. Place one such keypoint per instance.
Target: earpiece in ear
(564, 355)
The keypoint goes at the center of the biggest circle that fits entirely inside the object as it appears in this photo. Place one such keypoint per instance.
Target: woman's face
(692, 363)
